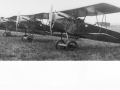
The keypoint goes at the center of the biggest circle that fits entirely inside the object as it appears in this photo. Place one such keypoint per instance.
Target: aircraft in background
(3, 26)
(23, 23)
(29, 24)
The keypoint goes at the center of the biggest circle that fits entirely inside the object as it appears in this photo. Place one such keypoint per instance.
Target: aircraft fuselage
(89, 31)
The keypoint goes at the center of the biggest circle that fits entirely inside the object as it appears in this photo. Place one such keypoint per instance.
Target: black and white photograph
(59, 30)
(59, 44)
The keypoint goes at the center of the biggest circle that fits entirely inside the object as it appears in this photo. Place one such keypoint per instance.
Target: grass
(43, 48)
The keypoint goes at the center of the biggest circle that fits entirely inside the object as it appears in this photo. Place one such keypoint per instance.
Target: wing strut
(96, 17)
(101, 23)
(103, 18)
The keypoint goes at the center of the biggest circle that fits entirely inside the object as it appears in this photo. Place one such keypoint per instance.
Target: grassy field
(43, 48)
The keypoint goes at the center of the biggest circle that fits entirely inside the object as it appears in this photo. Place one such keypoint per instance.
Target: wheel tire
(30, 38)
(60, 42)
(72, 46)
(23, 37)
(4, 34)
(10, 34)
(7, 34)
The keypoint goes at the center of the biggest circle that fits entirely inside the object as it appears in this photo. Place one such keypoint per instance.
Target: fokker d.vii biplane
(69, 24)
(75, 28)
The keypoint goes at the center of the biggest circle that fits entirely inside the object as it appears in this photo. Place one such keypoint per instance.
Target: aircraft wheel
(30, 38)
(57, 45)
(24, 37)
(7, 34)
(72, 46)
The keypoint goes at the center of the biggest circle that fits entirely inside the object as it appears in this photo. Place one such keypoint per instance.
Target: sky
(66, 75)
(13, 7)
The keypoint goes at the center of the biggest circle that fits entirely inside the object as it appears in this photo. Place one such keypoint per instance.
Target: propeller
(50, 18)
(17, 20)
(0, 20)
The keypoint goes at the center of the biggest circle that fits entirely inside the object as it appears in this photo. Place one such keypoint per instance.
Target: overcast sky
(13, 7)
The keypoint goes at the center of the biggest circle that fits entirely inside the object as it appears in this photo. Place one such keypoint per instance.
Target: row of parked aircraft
(67, 24)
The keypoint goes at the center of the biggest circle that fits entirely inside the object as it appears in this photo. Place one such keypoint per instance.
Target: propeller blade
(0, 20)
(17, 21)
(50, 18)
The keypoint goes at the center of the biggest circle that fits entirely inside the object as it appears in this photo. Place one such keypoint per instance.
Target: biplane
(68, 24)
(3, 25)
(23, 23)
(74, 27)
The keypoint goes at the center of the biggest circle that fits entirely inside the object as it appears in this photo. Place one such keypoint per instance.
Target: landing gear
(28, 38)
(72, 46)
(60, 44)
(69, 45)
(24, 37)
(7, 34)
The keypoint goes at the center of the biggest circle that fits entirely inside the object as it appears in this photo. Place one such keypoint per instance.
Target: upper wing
(21, 18)
(42, 16)
(39, 16)
(92, 10)
(12, 18)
